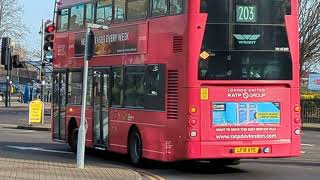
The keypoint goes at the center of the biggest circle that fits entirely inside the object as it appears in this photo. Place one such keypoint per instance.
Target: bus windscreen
(245, 40)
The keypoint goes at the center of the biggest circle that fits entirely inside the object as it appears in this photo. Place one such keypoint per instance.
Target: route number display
(246, 13)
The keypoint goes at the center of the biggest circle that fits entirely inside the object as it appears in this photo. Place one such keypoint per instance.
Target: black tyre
(74, 140)
(135, 147)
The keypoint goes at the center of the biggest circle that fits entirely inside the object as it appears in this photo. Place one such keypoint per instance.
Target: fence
(310, 111)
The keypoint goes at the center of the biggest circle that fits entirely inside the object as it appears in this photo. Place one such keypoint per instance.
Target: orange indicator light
(193, 110)
(297, 109)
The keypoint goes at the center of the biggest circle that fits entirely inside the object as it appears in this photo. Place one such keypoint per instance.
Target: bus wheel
(135, 148)
(74, 140)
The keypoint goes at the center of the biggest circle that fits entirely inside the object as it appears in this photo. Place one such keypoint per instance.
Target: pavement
(21, 108)
(11, 168)
(311, 126)
(31, 155)
(26, 154)
(17, 106)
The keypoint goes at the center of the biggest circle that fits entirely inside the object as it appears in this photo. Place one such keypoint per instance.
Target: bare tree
(11, 25)
(20, 50)
(309, 22)
(33, 55)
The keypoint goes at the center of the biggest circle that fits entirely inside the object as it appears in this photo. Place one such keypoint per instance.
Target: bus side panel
(74, 112)
(293, 37)
(150, 126)
(89, 126)
(296, 123)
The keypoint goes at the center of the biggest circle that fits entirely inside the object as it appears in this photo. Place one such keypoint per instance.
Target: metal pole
(42, 39)
(82, 129)
(10, 86)
(42, 58)
(43, 83)
(7, 88)
(8, 77)
(88, 53)
(10, 71)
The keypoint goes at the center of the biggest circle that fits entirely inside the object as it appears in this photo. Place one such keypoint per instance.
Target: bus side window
(137, 9)
(119, 10)
(152, 80)
(117, 87)
(154, 85)
(159, 7)
(104, 12)
(176, 7)
(74, 88)
(63, 19)
(89, 88)
(77, 17)
(134, 89)
(89, 13)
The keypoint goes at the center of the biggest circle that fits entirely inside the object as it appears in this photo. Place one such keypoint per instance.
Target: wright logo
(247, 39)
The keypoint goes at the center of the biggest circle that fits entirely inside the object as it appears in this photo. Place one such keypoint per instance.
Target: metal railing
(310, 111)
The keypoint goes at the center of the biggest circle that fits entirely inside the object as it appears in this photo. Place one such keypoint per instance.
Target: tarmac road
(38, 146)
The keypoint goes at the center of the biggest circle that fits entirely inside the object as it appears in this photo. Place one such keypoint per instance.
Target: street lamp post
(42, 69)
(88, 53)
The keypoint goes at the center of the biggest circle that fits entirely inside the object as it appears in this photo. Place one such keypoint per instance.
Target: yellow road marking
(149, 175)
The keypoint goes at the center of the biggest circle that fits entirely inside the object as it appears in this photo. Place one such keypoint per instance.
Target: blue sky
(34, 12)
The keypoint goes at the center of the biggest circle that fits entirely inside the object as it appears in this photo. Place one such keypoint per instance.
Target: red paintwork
(168, 140)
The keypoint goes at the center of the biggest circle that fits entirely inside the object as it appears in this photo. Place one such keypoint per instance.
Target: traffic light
(15, 62)
(5, 53)
(48, 40)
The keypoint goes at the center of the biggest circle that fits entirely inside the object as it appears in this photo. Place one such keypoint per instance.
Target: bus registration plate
(246, 150)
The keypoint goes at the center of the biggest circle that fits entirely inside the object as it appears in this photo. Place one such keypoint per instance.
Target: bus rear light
(297, 132)
(297, 108)
(192, 122)
(70, 110)
(297, 120)
(193, 110)
(193, 134)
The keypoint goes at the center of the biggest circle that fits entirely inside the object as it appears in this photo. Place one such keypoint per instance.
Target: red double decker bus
(179, 80)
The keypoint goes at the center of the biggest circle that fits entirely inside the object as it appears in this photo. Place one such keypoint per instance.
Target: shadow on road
(185, 167)
(286, 162)
(103, 158)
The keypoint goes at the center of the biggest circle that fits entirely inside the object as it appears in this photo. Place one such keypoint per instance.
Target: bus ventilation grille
(172, 101)
(177, 44)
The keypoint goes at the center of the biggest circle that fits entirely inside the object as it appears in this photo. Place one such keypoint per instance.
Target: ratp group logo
(247, 39)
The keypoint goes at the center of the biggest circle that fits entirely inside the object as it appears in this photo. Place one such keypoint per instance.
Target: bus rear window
(246, 11)
(246, 66)
(245, 40)
(224, 37)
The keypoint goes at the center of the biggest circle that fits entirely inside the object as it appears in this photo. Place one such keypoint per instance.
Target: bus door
(59, 105)
(100, 106)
